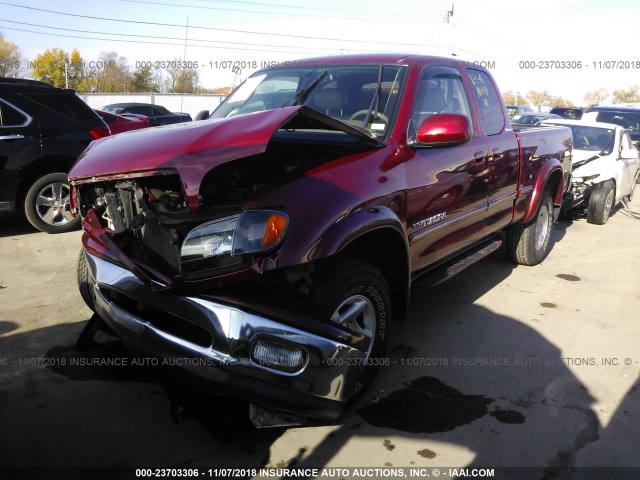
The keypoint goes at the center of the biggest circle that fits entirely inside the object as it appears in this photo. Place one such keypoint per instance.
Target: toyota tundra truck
(270, 247)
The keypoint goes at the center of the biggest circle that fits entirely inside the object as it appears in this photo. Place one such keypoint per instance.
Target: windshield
(363, 96)
(591, 139)
(511, 111)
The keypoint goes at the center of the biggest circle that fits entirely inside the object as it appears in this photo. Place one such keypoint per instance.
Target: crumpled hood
(193, 149)
(591, 167)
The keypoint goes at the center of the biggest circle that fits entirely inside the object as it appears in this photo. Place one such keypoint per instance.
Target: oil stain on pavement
(429, 406)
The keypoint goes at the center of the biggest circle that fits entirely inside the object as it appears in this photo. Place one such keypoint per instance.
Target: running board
(455, 266)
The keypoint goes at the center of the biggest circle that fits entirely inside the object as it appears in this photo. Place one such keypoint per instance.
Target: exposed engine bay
(148, 218)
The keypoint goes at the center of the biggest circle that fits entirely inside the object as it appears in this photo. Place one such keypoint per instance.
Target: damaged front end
(170, 240)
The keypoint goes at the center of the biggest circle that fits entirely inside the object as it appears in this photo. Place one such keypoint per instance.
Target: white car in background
(604, 168)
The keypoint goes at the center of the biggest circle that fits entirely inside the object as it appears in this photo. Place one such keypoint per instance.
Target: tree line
(542, 98)
(110, 73)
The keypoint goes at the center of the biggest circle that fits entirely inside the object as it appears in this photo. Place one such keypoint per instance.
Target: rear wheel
(354, 294)
(529, 244)
(47, 204)
(601, 203)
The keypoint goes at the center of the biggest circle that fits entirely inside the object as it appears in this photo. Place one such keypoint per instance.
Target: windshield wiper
(304, 93)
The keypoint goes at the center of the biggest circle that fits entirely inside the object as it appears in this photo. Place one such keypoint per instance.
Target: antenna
(449, 13)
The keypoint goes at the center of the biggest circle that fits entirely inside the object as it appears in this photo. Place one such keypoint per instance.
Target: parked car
(274, 243)
(532, 119)
(604, 168)
(124, 123)
(626, 117)
(43, 130)
(571, 113)
(513, 110)
(157, 114)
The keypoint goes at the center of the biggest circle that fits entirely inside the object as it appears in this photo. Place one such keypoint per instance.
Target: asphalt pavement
(502, 366)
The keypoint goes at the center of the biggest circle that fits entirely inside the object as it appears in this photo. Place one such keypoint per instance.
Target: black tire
(529, 244)
(345, 282)
(601, 202)
(47, 205)
(84, 285)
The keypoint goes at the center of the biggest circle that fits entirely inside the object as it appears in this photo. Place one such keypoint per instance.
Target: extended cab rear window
(489, 102)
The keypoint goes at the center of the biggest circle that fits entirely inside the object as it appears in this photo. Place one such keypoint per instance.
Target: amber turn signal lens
(274, 229)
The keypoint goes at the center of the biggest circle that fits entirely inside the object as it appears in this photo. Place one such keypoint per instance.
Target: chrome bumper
(328, 374)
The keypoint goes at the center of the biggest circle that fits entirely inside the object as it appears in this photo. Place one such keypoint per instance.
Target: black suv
(43, 130)
(625, 116)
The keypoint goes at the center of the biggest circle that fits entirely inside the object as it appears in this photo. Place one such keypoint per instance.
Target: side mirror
(201, 115)
(443, 130)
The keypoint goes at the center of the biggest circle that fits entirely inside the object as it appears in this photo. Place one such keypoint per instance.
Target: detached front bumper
(239, 353)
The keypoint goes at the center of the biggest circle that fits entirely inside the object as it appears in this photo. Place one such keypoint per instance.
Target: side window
(488, 102)
(148, 111)
(63, 103)
(10, 117)
(440, 91)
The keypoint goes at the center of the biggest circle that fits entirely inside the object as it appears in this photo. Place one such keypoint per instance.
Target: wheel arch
(550, 178)
(376, 236)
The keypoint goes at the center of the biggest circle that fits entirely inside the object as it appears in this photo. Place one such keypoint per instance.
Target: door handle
(496, 154)
(11, 137)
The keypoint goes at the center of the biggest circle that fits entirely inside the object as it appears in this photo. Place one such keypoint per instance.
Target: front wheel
(47, 204)
(354, 294)
(82, 276)
(529, 244)
(601, 202)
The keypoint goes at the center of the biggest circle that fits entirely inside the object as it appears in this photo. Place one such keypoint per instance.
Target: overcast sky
(501, 32)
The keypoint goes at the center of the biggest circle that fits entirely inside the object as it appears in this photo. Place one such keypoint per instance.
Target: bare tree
(538, 98)
(595, 97)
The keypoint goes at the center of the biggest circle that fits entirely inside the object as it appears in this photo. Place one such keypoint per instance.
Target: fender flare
(551, 168)
(349, 229)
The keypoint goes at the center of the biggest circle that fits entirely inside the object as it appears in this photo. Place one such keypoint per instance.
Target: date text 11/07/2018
(320, 473)
(579, 65)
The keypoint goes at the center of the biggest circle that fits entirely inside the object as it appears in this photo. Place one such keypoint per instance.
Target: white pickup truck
(604, 169)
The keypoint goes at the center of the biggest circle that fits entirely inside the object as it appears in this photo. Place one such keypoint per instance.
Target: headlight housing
(226, 241)
(586, 178)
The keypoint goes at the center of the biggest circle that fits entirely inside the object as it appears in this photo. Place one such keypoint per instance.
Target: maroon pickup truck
(269, 247)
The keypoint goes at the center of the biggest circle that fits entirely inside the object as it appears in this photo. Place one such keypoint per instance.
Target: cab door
(19, 143)
(447, 187)
(503, 157)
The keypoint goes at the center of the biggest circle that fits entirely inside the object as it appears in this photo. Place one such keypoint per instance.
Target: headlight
(227, 239)
(586, 178)
(210, 239)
